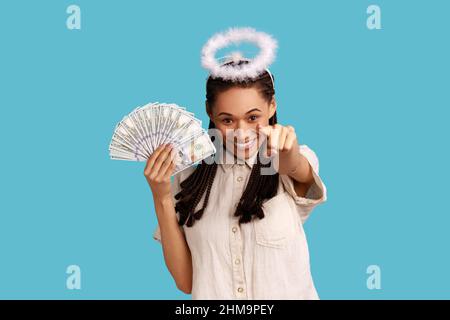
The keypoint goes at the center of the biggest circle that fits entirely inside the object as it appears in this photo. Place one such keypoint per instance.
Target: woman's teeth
(245, 145)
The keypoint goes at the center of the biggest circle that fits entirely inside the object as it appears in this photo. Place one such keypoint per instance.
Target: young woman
(227, 230)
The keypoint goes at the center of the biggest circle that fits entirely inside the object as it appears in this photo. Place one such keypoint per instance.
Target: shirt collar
(228, 161)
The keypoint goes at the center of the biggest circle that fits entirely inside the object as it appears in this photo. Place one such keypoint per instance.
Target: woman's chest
(219, 230)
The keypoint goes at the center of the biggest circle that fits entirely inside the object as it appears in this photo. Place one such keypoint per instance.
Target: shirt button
(234, 229)
(240, 289)
(239, 179)
(237, 261)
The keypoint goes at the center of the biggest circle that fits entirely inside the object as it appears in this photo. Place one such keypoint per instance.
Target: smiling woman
(237, 219)
(227, 104)
(236, 109)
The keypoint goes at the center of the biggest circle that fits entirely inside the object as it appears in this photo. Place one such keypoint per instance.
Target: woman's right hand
(158, 171)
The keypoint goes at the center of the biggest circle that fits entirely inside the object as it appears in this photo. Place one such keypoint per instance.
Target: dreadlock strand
(210, 181)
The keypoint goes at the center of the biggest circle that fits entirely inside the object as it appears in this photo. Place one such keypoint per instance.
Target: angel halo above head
(232, 68)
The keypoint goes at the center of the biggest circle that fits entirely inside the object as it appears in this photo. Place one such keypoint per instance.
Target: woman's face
(236, 113)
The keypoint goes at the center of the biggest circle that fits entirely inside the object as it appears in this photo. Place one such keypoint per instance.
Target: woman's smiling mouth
(246, 145)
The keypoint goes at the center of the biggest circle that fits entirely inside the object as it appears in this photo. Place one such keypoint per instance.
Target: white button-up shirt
(262, 259)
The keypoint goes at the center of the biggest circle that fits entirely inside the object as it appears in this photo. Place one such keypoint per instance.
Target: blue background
(373, 104)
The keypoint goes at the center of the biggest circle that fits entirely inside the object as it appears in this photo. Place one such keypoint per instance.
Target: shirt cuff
(157, 231)
(157, 234)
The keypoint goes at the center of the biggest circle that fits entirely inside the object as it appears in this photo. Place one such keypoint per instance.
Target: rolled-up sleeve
(157, 232)
(317, 192)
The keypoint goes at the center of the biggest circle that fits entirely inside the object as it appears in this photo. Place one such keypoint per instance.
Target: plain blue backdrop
(373, 104)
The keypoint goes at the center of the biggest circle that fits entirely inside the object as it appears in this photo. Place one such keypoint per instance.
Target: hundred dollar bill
(193, 151)
(139, 133)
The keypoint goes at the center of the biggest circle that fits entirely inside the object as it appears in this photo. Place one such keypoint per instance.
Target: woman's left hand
(281, 142)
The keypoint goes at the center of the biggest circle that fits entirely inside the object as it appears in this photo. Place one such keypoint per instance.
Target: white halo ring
(266, 43)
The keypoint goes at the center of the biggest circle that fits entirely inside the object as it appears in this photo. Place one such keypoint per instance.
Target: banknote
(147, 127)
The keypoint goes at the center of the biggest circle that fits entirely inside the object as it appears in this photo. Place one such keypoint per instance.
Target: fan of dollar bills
(139, 133)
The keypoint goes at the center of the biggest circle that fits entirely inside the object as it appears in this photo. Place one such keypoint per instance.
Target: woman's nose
(240, 133)
(244, 131)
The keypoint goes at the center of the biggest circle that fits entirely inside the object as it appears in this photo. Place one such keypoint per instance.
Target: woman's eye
(253, 118)
(226, 121)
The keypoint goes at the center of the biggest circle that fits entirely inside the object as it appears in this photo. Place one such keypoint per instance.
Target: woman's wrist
(299, 170)
(163, 201)
(295, 163)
